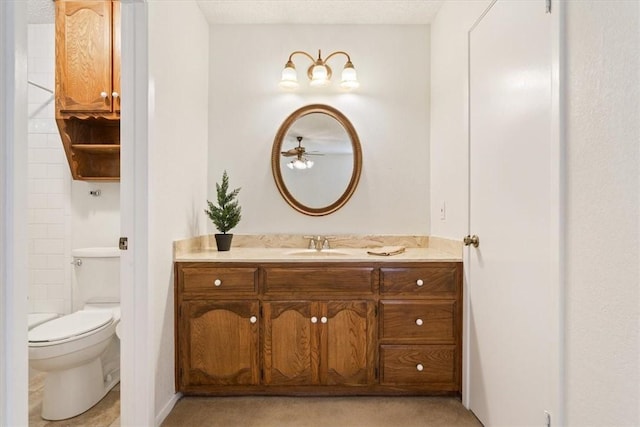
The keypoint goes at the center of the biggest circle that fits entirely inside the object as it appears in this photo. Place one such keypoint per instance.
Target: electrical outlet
(443, 211)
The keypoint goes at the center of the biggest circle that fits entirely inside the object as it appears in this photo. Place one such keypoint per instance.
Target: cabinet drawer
(315, 280)
(424, 281)
(218, 280)
(419, 364)
(421, 320)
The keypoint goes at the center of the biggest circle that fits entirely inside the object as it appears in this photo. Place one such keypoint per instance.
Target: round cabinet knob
(253, 319)
(419, 282)
(419, 367)
(217, 282)
(323, 319)
(115, 94)
(104, 94)
(419, 322)
(314, 319)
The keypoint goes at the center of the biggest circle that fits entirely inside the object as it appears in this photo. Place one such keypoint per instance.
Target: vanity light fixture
(319, 72)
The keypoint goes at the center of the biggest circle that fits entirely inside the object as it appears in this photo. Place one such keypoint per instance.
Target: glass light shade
(319, 76)
(349, 77)
(290, 165)
(299, 164)
(308, 163)
(289, 78)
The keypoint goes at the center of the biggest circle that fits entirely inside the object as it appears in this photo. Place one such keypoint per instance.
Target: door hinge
(548, 6)
(547, 418)
(123, 243)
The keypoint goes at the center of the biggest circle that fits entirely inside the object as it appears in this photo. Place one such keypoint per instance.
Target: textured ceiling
(320, 11)
(294, 11)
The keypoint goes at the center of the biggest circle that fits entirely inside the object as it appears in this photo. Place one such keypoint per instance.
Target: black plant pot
(223, 241)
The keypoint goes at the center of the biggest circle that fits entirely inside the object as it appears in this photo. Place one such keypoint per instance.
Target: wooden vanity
(318, 327)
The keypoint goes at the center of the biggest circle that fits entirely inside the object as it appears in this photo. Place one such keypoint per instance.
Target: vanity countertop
(244, 254)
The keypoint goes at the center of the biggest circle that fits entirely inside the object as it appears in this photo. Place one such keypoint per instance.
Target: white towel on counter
(386, 250)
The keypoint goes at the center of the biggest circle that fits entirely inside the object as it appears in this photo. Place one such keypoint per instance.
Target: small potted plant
(226, 215)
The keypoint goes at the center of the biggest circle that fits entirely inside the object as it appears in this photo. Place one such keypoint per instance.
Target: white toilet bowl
(80, 353)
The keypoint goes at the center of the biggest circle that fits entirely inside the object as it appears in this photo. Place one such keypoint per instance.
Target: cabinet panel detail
(220, 280)
(418, 364)
(290, 343)
(219, 342)
(424, 320)
(426, 281)
(318, 280)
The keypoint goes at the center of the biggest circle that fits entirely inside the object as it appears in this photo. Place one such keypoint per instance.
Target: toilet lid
(72, 325)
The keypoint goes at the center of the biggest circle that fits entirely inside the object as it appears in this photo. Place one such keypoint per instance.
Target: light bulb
(289, 77)
(349, 77)
(319, 76)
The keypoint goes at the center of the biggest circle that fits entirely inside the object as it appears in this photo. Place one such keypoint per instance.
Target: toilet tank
(96, 276)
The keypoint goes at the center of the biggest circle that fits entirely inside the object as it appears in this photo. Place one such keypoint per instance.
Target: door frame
(556, 214)
(13, 207)
(138, 376)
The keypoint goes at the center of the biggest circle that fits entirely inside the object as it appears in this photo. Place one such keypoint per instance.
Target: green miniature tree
(226, 215)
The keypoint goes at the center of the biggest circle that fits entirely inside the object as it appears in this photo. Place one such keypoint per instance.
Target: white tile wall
(49, 198)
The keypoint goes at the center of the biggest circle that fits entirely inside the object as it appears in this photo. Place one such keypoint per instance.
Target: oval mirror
(316, 160)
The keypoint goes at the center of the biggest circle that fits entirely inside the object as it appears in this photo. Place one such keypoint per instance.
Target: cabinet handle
(323, 319)
(419, 322)
(419, 367)
(419, 282)
(104, 95)
(115, 94)
(314, 319)
(253, 319)
(217, 282)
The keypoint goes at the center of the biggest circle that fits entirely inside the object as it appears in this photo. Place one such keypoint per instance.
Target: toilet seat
(70, 327)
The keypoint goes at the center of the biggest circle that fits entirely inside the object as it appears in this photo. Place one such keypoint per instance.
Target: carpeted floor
(319, 412)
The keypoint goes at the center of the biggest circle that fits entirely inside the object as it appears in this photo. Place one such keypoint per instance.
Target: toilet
(80, 352)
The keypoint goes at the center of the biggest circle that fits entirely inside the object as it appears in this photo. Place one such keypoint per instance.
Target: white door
(512, 275)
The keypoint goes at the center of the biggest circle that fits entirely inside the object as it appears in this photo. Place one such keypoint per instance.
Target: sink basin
(315, 253)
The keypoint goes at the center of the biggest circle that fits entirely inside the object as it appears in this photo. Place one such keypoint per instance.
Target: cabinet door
(116, 56)
(83, 56)
(218, 343)
(290, 343)
(347, 342)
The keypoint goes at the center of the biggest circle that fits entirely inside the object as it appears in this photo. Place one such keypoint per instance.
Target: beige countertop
(260, 254)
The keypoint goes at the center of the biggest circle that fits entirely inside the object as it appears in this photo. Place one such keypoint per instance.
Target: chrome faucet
(318, 242)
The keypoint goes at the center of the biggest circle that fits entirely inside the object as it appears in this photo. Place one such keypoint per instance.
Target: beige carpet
(319, 412)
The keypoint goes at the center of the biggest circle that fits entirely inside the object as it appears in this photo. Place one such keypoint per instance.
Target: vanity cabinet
(318, 343)
(420, 327)
(217, 327)
(318, 328)
(87, 94)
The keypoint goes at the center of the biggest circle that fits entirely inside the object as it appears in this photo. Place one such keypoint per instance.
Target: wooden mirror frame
(357, 159)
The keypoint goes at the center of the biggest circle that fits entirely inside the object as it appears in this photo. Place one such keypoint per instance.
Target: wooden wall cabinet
(88, 86)
(318, 328)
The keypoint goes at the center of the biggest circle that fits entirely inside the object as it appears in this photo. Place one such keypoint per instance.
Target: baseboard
(167, 408)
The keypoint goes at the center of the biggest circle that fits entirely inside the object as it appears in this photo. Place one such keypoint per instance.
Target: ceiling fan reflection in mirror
(301, 161)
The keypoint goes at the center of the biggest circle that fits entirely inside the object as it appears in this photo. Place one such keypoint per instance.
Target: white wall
(602, 189)
(177, 177)
(449, 164)
(390, 112)
(602, 235)
(49, 184)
